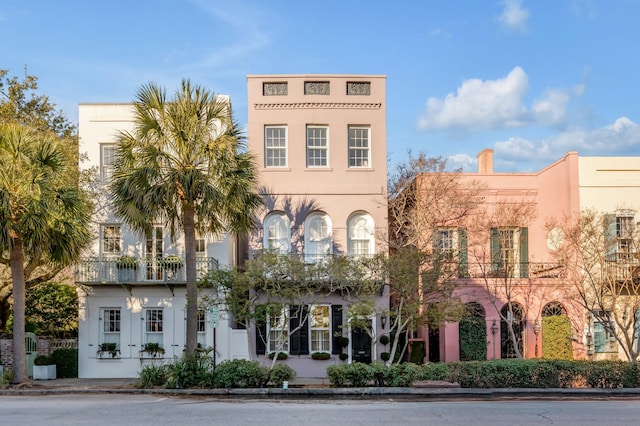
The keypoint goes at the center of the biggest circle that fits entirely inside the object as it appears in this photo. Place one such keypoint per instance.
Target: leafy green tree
(185, 165)
(20, 103)
(52, 309)
(44, 216)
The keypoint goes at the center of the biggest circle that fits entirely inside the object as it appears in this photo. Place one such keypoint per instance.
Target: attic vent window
(316, 87)
(275, 89)
(359, 88)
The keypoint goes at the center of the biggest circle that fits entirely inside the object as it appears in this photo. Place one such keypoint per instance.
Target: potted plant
(154, 350)
(108, 348)
(44, 368)
(172, 262)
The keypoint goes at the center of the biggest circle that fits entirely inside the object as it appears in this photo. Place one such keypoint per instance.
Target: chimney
(485, 162)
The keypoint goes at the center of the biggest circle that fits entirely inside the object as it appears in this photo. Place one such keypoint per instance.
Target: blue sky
(530, 79)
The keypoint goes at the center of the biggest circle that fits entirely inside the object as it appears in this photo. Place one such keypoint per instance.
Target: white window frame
(111, 239)
(154, 326)
(201, 245)
(318, 243)
(360, 235)
(202, 328)
(111, 326)
(277, 232)
(359, 154)
(320, 328)
(625, 229)
(278, 329)
(107, 161)
(275, 144)
(317, 145)
(512, 250)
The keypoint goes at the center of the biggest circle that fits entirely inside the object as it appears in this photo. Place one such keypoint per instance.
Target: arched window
(360, 239)
(553, 309)
(516, 318)
(317, 237)
(277, 232)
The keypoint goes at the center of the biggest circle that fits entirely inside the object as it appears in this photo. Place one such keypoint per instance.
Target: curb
(400, 394)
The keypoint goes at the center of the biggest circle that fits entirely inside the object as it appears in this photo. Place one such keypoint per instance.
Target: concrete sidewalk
(315, 389)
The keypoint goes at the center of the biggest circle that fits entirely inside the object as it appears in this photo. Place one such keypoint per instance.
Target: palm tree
(43, 214)
(184, 165)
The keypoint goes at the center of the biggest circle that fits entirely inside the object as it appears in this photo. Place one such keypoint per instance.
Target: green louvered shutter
(495, 250)
(524, 252)
(610, 237)
(463, 257)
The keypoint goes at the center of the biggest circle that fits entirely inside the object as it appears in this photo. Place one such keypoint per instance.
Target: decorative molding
(316, 88)
(275, 89)
(324, 105)
(361, 88)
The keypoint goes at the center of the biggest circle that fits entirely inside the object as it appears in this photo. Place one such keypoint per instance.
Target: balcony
(139, 270)
(533, 270)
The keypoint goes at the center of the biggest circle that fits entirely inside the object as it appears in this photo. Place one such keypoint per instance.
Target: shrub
(66, 361)
(127, 262)
(240, 373)
(418, 352)
(385, 356)
(337, 375)
(343, 341)
(556, 337)
(473, 339)
(43, 360)
(402, 375)
(190, 371)
(358, 374)
(343, 356)
(153, 348)
(153, 375)
(280, 373)
(384, 339)
(320, 356)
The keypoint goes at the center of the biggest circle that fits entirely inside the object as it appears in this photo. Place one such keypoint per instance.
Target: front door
(434, 345)
(153, 252)
(360, 346)
(31, 346)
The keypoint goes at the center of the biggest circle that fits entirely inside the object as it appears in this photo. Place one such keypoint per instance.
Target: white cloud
(619, 138)
(462, 161)
(552, 109)
(479, 105)
(514, 16)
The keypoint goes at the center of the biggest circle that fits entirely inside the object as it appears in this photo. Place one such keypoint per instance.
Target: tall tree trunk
(17, 275)
(192, 287)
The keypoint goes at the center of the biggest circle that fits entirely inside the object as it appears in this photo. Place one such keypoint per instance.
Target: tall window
(153, 326)
(107, 161)
(360, 241)
(509, 252)
(202, 337)
(320, 322)
(277, 232)
(279, 332)
(200, 245)
(604, 339)
(111, 326)
(359, 147)
(624, 233)
(317, 233)
(317, 146)
(446, 241)
(275, 146)
(111, 239)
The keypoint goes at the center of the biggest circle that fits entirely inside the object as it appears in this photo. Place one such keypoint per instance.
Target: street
(108, 409)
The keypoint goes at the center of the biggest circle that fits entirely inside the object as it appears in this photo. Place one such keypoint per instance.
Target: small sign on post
(214, 316)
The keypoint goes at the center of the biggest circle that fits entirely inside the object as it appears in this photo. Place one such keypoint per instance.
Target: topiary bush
(556, 337)
(473, 339)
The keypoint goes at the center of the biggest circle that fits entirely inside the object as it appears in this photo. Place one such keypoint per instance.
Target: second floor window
(359, 147)
(275, 146)
(317, 236)
(360, 239)
(509, 252)
(111, 239)
(317, 146)
(277, 232)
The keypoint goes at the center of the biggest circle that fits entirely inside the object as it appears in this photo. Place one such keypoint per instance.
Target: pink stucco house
(532, 280)
(320, 145)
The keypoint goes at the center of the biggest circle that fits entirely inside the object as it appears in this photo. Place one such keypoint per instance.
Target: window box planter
(172, 263)
(151, 351)
(320, 356)
(108, 351)
(281, 356)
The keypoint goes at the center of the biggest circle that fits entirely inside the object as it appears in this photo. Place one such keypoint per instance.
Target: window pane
(320, 328)
(359, 147)
(111, 239)
(275, 141)
(317, 147)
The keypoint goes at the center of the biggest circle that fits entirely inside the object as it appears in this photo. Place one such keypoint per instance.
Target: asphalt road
(109, 409)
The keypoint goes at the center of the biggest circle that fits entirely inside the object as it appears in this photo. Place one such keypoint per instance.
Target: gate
(31, 345)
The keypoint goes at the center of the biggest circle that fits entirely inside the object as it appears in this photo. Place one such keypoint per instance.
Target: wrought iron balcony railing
(139, 270)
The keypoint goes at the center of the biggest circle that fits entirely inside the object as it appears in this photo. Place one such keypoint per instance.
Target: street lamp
(383, 321)
(494, 328)
(536, 330)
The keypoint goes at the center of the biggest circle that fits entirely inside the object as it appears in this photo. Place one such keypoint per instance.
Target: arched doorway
(472, 334)
(556, 332)
(516, 318)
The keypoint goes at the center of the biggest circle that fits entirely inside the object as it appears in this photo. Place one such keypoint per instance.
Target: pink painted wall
(555, 190)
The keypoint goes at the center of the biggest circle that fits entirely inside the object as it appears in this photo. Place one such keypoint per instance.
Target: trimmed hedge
(66, 361)
(492, 374)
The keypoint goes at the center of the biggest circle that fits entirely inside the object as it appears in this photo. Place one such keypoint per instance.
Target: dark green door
(360, 346)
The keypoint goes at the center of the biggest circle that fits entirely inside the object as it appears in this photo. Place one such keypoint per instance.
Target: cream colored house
(126, 303)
